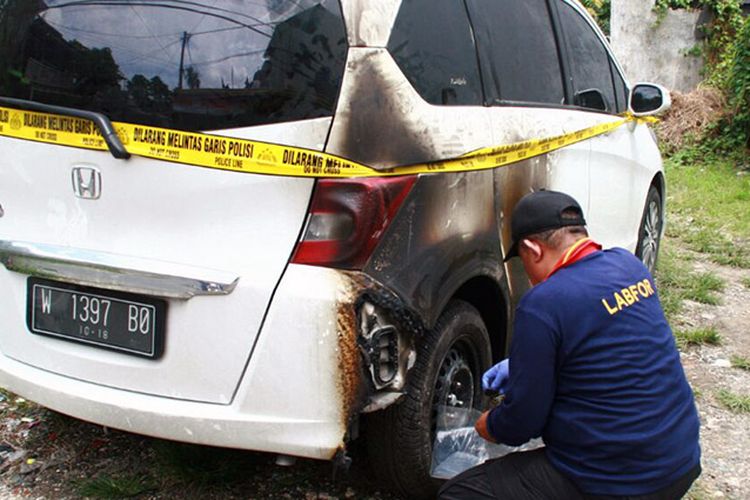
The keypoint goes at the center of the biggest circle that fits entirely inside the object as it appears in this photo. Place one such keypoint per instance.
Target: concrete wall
(656, 53)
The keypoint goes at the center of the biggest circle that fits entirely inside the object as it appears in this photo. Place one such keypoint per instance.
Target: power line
(149, 30)
(176, 7)
(232, 56)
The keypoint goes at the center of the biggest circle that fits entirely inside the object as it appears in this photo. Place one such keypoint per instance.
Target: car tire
(450, 362)
(650, 230)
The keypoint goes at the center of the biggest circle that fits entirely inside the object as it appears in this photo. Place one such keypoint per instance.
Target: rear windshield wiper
(101, 121)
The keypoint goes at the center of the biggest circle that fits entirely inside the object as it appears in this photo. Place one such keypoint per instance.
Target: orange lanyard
(579, 250)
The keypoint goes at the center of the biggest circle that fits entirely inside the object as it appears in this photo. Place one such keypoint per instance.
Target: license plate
(124, 322)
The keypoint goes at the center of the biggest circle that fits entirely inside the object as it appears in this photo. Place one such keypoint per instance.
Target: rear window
(188, 65)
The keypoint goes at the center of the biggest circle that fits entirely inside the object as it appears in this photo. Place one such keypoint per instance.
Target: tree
(193, 78)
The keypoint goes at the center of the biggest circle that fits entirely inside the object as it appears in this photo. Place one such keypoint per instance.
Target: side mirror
(590, 98)
(648, 99)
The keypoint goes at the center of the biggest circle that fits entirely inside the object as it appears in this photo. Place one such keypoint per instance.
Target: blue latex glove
(496, 377)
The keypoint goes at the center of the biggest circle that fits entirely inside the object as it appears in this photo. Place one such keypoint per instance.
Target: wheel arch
(660, 183)
(488, 298)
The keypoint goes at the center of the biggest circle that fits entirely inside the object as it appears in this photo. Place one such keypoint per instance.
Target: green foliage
(708, 205)
(669, 274)
(741, 362)
(727, 57)
(702, 287)
(661, 6)
(694, 51)
(729, 70)
(746, 282)
(700, 336)
(721, 32)
(600, 10)
(719, 248)
(111, 487)
(738, 89)
(735, 402)
(677, 283)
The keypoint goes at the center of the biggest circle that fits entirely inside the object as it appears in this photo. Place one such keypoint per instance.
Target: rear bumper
(296, 395)
(202, 423)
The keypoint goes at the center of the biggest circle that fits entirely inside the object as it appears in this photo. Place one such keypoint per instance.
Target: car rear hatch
(202, 249)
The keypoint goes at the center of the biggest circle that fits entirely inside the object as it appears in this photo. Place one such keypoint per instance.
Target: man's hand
(496, 377)
(481, 427)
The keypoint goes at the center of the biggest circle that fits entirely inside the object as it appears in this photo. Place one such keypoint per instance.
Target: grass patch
(702, 287)
(707, 204)
(699, 336)
(734, 402)
(676, 282)
(746, 282)
(202, 466)
(111, 487)
(710, 190)
(719, 248)
(669, 274)
(741, 362)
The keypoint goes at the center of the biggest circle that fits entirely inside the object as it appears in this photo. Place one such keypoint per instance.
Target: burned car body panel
(369, 22)
(295, 352)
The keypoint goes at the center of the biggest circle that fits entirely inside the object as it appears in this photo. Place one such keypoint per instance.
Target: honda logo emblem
(87, 183)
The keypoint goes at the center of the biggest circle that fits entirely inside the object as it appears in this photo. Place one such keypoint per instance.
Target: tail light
(347, 219)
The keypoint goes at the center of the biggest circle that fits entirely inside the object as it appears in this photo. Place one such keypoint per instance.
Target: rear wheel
(649, 233)
(448, 371)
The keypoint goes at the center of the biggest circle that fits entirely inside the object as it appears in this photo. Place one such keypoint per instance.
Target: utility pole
(185, 38)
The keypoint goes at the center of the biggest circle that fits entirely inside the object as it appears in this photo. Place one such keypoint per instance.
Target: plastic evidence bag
(459, 447)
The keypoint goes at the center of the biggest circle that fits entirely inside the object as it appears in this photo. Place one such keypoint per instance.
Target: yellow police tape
(240, 155)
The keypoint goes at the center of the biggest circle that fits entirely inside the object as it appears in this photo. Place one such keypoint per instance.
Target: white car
(288, 314)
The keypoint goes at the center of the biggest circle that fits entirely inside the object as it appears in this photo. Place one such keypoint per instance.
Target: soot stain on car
(357, 379)
(436, 241)
(375, 105)
(349, 363)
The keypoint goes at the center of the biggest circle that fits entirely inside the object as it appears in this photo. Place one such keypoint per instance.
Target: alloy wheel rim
(650, 237)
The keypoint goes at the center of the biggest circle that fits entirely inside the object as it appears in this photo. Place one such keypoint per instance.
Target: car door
(619, 172)
(522, 73)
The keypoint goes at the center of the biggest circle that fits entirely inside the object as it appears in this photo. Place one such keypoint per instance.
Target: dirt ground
(49, 456)
(725, 435)
(57, 457)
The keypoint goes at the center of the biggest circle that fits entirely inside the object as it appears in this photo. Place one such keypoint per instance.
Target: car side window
(590, 72)
(621, 89)
(517, 50)
(433, 44)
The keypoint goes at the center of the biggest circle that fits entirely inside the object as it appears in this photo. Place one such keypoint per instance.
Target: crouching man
(593, 369)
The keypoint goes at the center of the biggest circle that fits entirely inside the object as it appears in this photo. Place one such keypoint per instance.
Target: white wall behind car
(651, 53)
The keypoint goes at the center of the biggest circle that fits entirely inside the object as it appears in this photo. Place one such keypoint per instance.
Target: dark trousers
(530, 475)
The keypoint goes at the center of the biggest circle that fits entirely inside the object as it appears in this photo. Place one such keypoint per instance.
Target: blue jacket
(594, 370)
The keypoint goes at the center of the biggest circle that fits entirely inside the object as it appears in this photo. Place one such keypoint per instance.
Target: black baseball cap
(541, 211)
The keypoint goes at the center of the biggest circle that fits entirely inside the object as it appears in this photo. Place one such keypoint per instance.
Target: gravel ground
(725, 435)
(50, 456)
